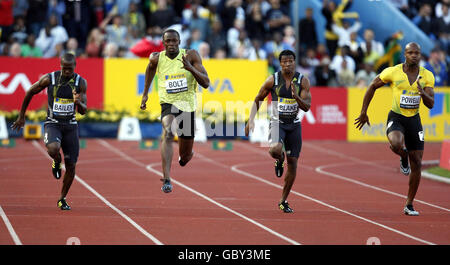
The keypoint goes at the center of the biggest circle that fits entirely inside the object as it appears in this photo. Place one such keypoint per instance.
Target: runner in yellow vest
(410, 84)
(178, 72)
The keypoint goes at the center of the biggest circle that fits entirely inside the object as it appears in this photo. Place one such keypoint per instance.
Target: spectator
(229, 11)
(6, 18)
(371, 48)
(124, 5)
(57, 8)
(94, 44)
(151, 43)
(346, 76)
(324, 75)
(443, 28)
(276, 45)
(29, 49)
(345, 31)
(98, 13)
(311, 58)
(76, 20)
(72, 47)
(256, 51)
(19, 31)
(195, 39)
(307, 31)
(365, 76)
(20, 8)
(197, 18)
(116, 32)
(337, 62)
(402, 5)
(233, 33)
(164, 16)
(15, 50)
(203, 50)
(437, 67)
(111, 50)
(254, 22)
(220, 54)
(424, 20)
(321, 51)
(277, 17)
(242, 47)
(135, 20)
(51, 38)
(328, 8)
(306, 69)
(217, 39)
(289, 36)
(438, 8)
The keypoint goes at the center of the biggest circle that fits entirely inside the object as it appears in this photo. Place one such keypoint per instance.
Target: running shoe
(284, 206)
(62, 204)
(409, 210)
(167, 186)
(279, 166)
(404, 165)
(56, 169)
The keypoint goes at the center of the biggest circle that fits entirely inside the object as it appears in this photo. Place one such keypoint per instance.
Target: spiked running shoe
(409, 210)
(167, 186)
(284, 206)
(62, 204)
(404, 166)
(56, 169)
(279, 167)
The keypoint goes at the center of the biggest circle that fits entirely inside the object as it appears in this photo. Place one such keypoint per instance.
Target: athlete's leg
(166, 144)
(275, 150)
(415, 158)
(69, 175)
(53, 151)
(185, 146)
(396, 141)
(290, 177)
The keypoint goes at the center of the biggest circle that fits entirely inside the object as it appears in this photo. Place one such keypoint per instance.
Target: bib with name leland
(176, 83)
(63, 106)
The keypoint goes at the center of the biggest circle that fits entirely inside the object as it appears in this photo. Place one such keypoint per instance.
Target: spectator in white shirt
(338, 59)
(371, 48)
(345, 31)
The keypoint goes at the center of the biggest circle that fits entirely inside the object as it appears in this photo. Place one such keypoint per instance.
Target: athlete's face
(412, 55)
(287, 63)
(67, 68)
(171, 42)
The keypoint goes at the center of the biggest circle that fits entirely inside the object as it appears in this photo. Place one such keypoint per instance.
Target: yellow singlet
(405, 97)
(176, 85)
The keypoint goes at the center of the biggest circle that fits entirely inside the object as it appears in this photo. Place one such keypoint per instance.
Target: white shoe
(409, 210)
(404, 170)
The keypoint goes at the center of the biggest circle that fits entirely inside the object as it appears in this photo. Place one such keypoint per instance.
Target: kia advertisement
(18, 74)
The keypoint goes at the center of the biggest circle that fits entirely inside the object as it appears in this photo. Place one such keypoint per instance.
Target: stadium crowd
(246, 29)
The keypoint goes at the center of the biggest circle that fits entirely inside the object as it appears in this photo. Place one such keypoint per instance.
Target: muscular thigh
(70, 143)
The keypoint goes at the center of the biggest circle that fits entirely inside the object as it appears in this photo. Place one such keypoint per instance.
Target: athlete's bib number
(63, 106)
(409, 102)
(176, 83)
(287, 106)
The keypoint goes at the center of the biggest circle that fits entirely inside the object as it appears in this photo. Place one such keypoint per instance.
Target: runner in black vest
(66, 94)
(290, 93)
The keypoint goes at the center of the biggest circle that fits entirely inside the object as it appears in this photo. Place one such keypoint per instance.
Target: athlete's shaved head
(411, 45)
(68, 58)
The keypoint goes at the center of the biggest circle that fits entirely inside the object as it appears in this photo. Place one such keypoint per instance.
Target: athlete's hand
(249, 127)
(361, 120)
(18, 124)
(144, 102)
(186, 64)
(419, 87)
(76, 97)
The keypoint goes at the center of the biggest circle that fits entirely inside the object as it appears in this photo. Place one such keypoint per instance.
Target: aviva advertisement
(233, 85)
(435, 122)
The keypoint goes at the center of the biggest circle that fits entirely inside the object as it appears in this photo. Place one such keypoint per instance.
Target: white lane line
(10, 227)
(321, 170)
(235, 168)
(151, 169)
(104, 200)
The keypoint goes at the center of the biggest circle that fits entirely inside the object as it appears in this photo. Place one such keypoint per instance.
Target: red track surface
(344, 193)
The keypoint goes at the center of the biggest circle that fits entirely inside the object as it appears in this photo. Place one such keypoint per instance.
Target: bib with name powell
(63, 106)
(409, 100)
(176, 83)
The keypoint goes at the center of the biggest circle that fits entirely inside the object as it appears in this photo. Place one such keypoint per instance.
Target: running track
(345, 193)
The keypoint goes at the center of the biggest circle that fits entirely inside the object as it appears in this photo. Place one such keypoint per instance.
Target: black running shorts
(185, 120)
(67, 136)
(411, 127)
(290, 135)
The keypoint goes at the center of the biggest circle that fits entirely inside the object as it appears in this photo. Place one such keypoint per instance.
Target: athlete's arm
(80, 99)
(427, 94)
(149, 75)
(262, 94)
(363, 118)
(192, 62)
(304, 100)
(34, 89)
